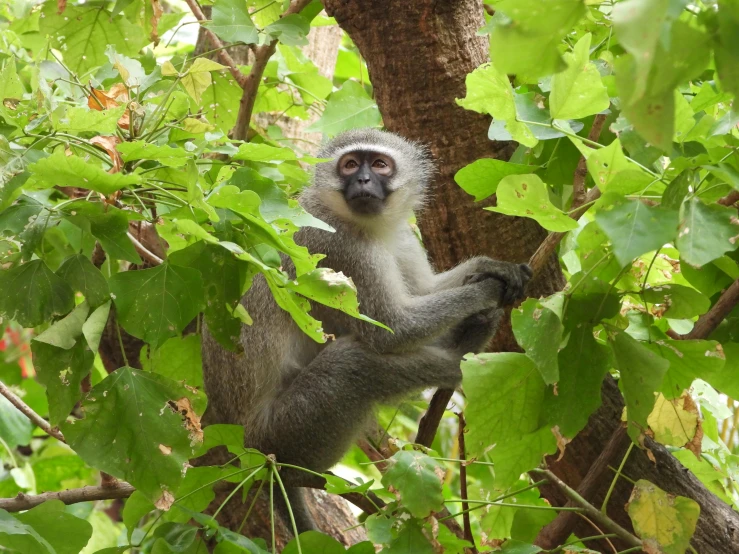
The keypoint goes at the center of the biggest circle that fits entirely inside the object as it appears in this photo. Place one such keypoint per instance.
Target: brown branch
(30, 414)
(222, 54)
(591, 511)
(730, 199)
(430, 421)
(250, 85)
(120, 489)
(463, 488)
(557, 531)
(581, 172)
(709, 321)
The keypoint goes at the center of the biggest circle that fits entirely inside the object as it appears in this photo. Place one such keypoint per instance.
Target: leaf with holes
(38, 294)
(528, 196)
(419, 479)
(706, 231)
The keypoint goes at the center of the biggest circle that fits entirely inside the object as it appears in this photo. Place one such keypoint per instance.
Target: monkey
(306, 402)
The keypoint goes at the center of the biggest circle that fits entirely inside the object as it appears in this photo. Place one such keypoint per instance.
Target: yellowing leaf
(198, 78)
(665, 522)
(674, 422)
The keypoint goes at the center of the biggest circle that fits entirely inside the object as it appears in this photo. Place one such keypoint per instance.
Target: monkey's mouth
(366, 204)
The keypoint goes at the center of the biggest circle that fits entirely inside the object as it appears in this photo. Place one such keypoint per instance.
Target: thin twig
(144, 252)
(591, 511)
(30, 414)
(463, 487)
(217, 44)
(120, 489)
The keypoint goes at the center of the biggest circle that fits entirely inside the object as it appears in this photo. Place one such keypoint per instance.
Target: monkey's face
(365, 177)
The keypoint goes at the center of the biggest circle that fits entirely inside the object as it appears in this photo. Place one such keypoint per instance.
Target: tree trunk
(418, 54)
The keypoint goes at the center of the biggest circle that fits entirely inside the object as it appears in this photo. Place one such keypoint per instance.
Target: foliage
(126, 208)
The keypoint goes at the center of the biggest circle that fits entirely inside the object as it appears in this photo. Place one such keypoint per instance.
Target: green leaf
(93, 328)
(291, 30)
(218, 102)
(538, 331)
(38, 294)
(158, 303)
(107, 224)
(64, 333)
(47, 528)
(706, 231)
(15, 428)
(336, 290)
(520, 454)
(525, 42)
(348, 108)
(379, 528)
(504, 397)
(136, 507)
(664, 522)
(609, 167)
(481, 177)
(85, 120)
(224, 279)
(83, 32)
(681, 302)
(230, 20)
(591, 299)
(726, 45)
(10, 84)
(419, 479)
(528, 196)
(263, 153)
(313, 541)
(165, 155)
(577, 91)
(178, 359)
(131, 431)
(642, 372)
(489, 91)
(198, 78)
(80, 274)
(410, 540)
(583, 364)
(61, 372)
(635, 228)
(72, 171)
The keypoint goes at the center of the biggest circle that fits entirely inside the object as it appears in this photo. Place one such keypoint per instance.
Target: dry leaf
(165, 501)
(562, 441)
(156, 9)
(108, 143)
(190, 418)
(61, 5)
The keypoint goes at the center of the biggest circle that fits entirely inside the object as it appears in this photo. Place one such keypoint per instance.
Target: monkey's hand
(513, 277)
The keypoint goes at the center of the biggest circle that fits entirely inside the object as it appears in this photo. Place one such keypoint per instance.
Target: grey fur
(305, 402)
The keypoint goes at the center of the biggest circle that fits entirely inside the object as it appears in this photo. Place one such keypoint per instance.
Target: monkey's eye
(380, 164)
(351, 164)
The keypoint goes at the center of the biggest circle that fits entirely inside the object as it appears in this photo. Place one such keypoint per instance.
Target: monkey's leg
(315, 417)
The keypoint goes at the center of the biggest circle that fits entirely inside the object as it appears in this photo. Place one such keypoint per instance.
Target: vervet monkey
(306, 402)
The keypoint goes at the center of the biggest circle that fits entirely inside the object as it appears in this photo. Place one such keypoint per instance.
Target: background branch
(709, 321)
(118, 489)
(30, 414)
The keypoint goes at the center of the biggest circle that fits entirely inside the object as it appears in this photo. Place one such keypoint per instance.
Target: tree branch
(250, 85)
(430, 421)
(590, 511)
(222, 54)
(144, 252)
(557, 531)
(581, 172)
(730, 199)
(30, 414)
(709, 321)
(120, 489)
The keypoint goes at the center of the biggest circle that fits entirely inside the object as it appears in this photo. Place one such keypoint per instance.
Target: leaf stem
(289, 508)
(604, 506)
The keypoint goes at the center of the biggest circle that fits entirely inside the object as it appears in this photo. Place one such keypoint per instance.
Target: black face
(366, 178)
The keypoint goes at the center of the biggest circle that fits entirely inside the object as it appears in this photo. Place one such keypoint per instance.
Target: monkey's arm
(515, 276)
